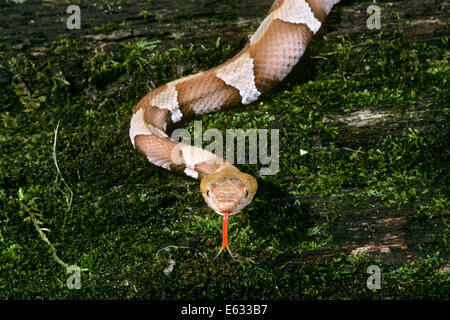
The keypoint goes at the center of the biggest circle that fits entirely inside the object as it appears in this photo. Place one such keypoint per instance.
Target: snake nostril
(207, 193)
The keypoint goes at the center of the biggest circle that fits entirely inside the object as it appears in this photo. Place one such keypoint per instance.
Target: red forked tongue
(225, 235)
(225, 231)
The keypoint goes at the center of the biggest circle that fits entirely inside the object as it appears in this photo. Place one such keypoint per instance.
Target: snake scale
(273, 50)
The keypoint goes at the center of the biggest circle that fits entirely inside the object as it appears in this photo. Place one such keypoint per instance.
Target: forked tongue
(224, 236)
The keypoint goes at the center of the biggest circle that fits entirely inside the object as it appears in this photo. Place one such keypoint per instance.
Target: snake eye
(207, 193)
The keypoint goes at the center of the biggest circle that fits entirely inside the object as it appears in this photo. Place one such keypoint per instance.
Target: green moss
(129, 220)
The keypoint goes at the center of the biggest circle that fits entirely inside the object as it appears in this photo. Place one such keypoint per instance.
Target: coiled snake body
(272, 52)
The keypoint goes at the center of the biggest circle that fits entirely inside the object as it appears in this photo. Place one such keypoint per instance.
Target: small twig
(33, 218)
(352, 150)
(69, 201)
(43, 236)
(100, 198)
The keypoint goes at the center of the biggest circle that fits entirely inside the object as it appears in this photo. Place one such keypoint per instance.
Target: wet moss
(143, 232)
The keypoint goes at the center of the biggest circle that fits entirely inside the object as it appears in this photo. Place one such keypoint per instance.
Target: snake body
(272, 52)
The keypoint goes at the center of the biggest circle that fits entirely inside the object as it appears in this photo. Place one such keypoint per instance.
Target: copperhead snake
(273, 50)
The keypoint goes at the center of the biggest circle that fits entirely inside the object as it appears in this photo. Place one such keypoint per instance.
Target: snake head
(228, 190)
